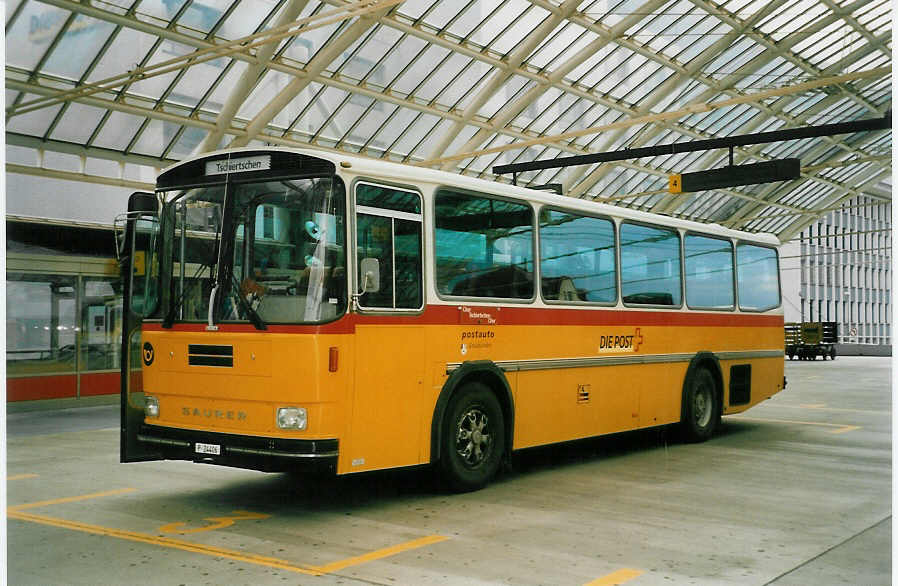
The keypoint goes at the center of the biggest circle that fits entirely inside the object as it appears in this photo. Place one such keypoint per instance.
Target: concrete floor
(796, 491)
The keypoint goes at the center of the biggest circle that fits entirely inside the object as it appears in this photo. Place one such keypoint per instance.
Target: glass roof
(465, 86)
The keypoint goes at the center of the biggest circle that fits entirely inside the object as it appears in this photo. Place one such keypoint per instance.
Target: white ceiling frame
(248, 80)
(577, 186)
(834, 200)
(499, 77)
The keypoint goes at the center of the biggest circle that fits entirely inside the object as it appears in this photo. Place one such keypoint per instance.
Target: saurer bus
(291, 308)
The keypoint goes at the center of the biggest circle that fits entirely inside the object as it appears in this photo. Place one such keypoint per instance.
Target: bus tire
(701, 407)
(473, 438)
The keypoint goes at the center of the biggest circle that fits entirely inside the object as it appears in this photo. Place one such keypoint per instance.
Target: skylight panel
(414, 9)
(470, 20)
(11, 7)
(191, 88)
(32, 34)
(245, 18)
(127, 49)
(494, 26)
(424, 64)
(78, 47)
(623, 77)
(185, 141)
(201, 16)
(159, 12)
(443, 75)
(392, 66)
(442, 14)
(505, 94)
(118, 130)
(563, 43)
(154, 138)
(34, 123)
(511, 38)
(465, 85)
(431, 138)
(77, 123)
(594, 69)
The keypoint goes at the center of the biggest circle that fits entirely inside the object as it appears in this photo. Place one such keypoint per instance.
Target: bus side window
(650, 265)
(577, 257)
(709, 272)
(484, 247)
(388, 228)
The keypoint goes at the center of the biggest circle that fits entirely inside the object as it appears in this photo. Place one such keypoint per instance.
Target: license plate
(214, 449)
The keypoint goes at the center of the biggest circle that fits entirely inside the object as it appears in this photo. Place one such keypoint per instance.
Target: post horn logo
(148, 354)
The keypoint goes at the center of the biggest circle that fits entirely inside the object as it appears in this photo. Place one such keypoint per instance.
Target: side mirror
(370, 275)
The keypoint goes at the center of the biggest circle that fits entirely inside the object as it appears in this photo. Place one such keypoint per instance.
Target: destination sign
(241, 165)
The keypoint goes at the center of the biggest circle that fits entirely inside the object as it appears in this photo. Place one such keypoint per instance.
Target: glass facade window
(484, 247)
(758, 275)
(650, 265)
(41, 324)
(577, 258)
(709, 273)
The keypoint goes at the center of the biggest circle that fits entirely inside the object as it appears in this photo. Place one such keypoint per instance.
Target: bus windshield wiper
(245, 305)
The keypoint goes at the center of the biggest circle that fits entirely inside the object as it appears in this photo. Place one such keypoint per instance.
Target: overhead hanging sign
(241, 165)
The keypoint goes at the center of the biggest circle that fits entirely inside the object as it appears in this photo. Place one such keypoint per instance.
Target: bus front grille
(210, 355)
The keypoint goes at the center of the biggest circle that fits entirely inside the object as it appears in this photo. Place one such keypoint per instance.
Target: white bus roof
(410, 174)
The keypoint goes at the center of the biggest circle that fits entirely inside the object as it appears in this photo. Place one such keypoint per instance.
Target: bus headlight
(292, 418)
(150, 406)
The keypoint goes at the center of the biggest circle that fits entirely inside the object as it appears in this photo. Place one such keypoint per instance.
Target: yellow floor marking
(380, 553)
(16, 512)
(71, 499)
(22, 476)
(824, 407)
(164, 542)
(840, 428)
(216, 523)
(618, 577)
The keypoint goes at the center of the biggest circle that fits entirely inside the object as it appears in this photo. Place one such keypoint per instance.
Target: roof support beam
(834, 200)
(248, 80)
(500, 76)
(314, 68)
(81, 177)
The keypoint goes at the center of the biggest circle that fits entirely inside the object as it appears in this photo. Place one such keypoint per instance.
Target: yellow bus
(292, 308)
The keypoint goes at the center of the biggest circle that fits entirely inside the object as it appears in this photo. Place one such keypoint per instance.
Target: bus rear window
(758, 274)
(484, 247)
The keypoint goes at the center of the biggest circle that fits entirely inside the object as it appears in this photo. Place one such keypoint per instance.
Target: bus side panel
(570, 403)
(388, 399)
(766, 381)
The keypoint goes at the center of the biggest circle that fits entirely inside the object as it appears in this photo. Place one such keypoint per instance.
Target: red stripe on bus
(506, 316)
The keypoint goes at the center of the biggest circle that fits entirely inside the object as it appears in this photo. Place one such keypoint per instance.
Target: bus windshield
(265, 252)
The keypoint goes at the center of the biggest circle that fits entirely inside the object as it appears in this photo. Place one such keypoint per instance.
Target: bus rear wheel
(472, 438)
(701, 407)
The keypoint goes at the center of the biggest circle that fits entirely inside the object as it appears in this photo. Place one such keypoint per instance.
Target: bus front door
(140, 276)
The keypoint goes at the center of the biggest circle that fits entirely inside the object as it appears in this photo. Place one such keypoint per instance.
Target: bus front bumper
(241, 451)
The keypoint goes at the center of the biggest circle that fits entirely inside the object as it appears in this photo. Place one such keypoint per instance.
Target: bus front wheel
(472, 438)
(701, 407)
